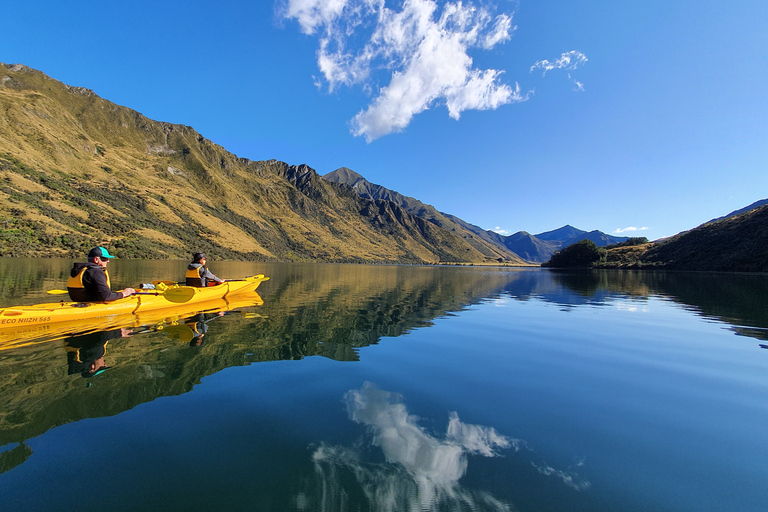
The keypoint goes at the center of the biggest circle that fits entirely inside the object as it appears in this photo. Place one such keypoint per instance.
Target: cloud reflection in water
(421, 472)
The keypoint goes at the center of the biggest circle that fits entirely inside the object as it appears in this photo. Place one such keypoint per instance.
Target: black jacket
(95, 287)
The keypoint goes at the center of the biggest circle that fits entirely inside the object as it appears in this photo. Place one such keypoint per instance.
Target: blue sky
(513, 115)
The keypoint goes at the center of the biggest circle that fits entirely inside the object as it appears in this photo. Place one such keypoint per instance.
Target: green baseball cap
(99, 252)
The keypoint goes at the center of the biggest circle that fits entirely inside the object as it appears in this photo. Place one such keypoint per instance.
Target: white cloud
(422, 48)
(313, 13)
(629, 229)
(568, 60)
(579, 85)
(500, 231)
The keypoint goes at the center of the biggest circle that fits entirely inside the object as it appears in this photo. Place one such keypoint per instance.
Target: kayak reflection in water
(194, 328)
(85, 353)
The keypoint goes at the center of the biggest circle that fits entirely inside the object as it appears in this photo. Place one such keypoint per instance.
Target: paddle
(180, 294)
(60, 292)
(249, 278)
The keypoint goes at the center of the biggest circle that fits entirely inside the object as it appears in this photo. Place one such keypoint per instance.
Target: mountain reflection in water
(327, 310)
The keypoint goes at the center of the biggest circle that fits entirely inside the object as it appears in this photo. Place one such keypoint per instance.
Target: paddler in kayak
(198, 274)
(89, 282)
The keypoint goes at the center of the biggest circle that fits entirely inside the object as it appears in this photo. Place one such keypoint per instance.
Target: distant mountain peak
(343, 175)
(563, 233)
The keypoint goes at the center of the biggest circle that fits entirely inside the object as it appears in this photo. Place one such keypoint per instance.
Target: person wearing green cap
(89, 282)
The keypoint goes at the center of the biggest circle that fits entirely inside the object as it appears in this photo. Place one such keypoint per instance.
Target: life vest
(76, 287)
(193, 276)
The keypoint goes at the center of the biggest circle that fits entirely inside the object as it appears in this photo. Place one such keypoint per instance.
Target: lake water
(400, 388)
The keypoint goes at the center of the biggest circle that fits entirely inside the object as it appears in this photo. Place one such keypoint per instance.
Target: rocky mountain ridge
(532, 248)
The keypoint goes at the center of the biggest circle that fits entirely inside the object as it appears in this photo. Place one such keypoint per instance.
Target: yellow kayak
(28, 334)
(22, 321)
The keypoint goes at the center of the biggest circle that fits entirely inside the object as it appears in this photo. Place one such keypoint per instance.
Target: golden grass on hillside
(107, 172)
(231, 236)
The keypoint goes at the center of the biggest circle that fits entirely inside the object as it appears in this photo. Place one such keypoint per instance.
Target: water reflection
(735, 299)
(312, 310)
(337, 307)
(9, 459)
(565, 289)
(193, 329)
(85, 353)
(419, 471)
(147, 355)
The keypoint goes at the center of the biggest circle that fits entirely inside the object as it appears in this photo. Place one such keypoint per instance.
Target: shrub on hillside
(630, 242)
(581, 254)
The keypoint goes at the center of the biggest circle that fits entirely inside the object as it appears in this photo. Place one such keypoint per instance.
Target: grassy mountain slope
(746, 209)
(77, 170)
(736, 243)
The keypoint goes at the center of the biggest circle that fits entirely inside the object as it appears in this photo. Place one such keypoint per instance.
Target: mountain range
(77, 170)
(531, 248)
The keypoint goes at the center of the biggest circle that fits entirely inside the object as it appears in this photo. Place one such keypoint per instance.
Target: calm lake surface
(400, 388)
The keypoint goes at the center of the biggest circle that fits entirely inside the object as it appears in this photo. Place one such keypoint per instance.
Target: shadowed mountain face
(737, 242)
(77, 171)
(561, 234)
(481, 240)
(568, 235)
(531, 247)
